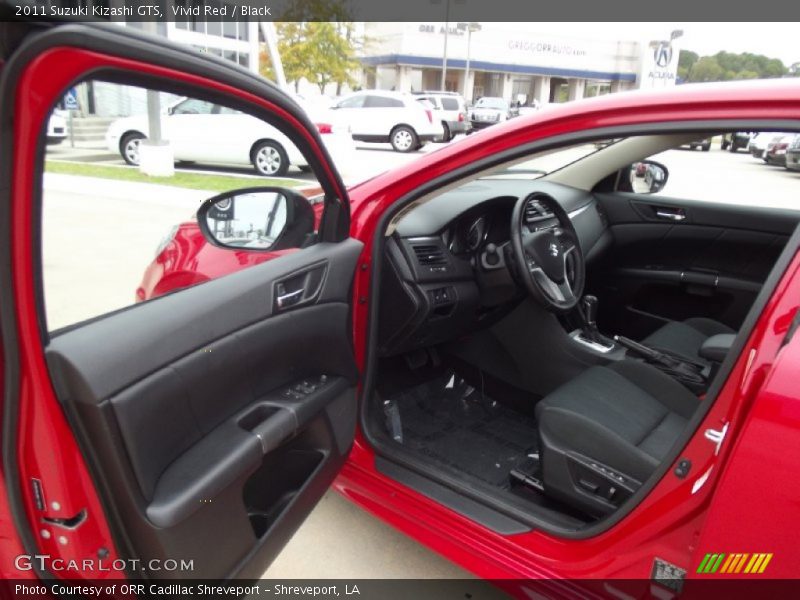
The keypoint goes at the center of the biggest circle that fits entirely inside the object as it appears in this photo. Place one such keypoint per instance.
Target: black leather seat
(684, 338)
(605, 432)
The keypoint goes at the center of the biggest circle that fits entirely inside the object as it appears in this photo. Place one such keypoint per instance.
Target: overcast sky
(776, 40)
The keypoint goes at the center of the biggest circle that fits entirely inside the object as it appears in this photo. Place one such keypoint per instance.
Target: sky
(775, 40)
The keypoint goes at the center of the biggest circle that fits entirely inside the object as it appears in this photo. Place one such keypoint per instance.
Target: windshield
(497, 103)
(547, 162)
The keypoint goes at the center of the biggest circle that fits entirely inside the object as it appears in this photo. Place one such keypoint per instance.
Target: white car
(56, 129)
(394, 117)
(449, 108)
(200, 131)
(759, 142)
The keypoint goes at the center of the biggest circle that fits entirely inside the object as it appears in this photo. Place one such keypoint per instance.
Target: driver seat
(605, 432)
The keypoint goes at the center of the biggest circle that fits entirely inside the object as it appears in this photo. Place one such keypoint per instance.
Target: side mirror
(263, 218)
(647, 177)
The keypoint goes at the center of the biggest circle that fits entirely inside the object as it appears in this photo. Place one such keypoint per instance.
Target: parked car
(776, 149)
(759, 142)
(378, 116)
(793, 155)
(704, 144)
(490, 110)
(736, 140)
(56, 128)
(204, 132)
(423, 353)
(451, 110)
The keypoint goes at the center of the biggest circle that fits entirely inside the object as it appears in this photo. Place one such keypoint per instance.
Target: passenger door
(200, 427)
(703, 254)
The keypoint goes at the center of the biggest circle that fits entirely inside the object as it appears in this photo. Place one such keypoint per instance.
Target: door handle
(290, 298)
(662, 213)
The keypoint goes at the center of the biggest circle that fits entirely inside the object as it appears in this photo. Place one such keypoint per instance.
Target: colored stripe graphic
(764, 564)
(736, 562)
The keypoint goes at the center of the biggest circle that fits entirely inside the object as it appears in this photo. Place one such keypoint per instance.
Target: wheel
(448, 135)
(726, 144)
(732, 147)
(706, 147)
(404, 139)
(129, 147)
(269, 158)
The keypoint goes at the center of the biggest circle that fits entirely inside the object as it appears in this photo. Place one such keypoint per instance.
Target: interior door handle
(671, 215)
(289, 298)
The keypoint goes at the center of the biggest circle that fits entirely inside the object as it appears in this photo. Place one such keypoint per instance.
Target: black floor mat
(456, 424)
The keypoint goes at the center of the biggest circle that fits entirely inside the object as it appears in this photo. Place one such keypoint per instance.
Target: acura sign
(659, 65)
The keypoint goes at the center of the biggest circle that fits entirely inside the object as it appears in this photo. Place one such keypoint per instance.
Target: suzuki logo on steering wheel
(553, 250)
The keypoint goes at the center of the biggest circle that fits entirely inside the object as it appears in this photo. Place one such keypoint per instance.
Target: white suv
(394, 117)
(451, 109)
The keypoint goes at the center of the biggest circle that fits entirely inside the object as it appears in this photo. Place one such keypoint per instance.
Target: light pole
(470, 27)
(446, 33)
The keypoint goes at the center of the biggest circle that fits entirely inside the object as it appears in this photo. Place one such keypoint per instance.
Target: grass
(194, 181)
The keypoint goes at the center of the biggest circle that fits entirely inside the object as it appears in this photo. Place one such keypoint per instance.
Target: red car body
(729, 504)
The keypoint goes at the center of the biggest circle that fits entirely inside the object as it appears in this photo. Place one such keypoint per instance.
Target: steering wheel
(548, 257)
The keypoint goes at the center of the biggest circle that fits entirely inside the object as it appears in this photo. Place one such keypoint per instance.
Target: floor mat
(458, 425)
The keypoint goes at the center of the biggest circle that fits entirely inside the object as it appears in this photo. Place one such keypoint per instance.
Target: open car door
(200, 427)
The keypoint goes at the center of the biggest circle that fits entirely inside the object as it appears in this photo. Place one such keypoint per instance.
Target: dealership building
(518, 62)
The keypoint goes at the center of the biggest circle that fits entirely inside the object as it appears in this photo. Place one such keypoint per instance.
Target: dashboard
(446, 269)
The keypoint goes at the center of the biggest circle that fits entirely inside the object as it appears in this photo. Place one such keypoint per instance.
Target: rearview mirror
(264, 218)
(647, 177)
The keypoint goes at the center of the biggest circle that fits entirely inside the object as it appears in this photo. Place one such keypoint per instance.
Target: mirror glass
(248, 220)
(647, 177)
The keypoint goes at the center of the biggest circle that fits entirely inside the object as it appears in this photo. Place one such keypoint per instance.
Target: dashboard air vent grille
(429, 255)
(536, 211)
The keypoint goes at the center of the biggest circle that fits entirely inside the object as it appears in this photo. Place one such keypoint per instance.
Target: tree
(706, 69)
(725, 66)
(686, 61)
(319, 51)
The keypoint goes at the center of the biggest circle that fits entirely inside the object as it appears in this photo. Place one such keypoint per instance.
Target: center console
(694, 374)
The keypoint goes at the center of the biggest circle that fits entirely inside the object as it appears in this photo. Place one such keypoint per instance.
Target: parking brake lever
(647, 353)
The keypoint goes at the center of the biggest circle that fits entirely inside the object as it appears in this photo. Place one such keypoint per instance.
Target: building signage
(536, 47)
(659, 65)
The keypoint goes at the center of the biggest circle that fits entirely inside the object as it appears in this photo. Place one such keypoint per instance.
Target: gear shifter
(588, 312)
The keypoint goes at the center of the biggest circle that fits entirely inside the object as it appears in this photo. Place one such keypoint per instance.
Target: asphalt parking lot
(99, 235)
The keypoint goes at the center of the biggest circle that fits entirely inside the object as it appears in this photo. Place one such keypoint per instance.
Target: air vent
(535, 211)
(429, 255)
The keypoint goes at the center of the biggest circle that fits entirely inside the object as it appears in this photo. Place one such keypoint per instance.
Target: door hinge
(716, 437)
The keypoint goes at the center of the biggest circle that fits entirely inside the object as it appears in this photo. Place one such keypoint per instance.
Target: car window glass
(382, 102)
(755, 173)
(353, 102)
(193, 106)
(119, 213)
(449, 103)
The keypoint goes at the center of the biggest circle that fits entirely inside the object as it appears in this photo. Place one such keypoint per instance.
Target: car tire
(129, 147)
(726, 144)
(448, 135)
(706, 147)
(732, 148)
(270, 159)
(404, 139)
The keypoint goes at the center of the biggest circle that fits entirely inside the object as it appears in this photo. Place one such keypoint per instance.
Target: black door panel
(674, 259)
(218, 414)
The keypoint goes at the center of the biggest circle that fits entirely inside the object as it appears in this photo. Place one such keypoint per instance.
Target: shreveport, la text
(176, 589)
